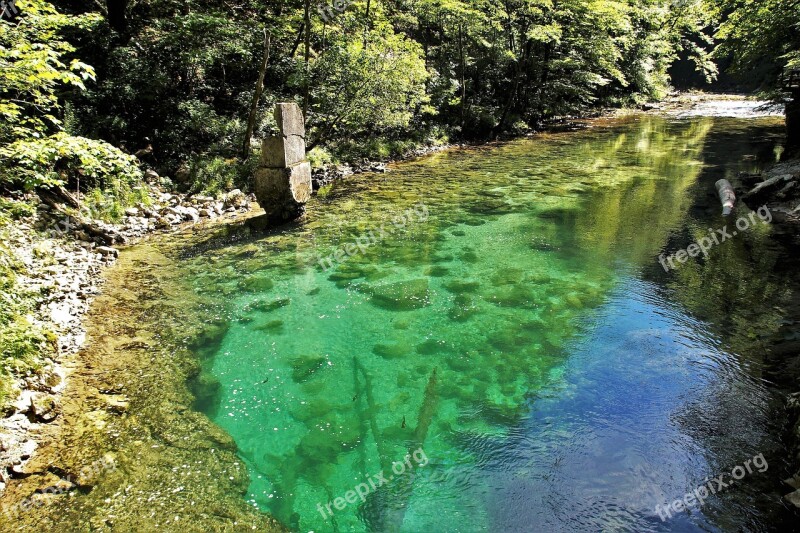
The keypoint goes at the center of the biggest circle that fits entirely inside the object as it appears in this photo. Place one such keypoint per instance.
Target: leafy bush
(63, 159)
(14, 210)
(212, 175)
(110, 203)
(360, 88)
(319, 157)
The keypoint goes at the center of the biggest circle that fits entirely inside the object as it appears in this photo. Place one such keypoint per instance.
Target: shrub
(212, 175)
(64, 159)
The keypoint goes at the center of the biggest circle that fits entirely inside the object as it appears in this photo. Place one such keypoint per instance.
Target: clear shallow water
(521, 333)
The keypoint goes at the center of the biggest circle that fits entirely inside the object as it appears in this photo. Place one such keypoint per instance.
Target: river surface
(485, 340)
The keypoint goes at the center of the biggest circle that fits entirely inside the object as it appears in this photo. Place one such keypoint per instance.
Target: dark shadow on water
(240, 233)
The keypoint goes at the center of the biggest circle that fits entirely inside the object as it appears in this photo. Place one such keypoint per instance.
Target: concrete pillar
(283, 179)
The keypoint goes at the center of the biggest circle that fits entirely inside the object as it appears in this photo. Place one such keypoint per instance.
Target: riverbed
(486, 339)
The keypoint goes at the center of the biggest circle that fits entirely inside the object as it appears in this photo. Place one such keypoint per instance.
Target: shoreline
(67, 268)
(31, 471)
(777, 188)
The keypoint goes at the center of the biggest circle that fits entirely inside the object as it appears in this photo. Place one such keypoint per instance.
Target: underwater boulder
(402, 295)
(305, 367)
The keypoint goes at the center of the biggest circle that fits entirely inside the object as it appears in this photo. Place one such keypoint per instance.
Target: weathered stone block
(281, 152)
(290, 119)
(281, 192)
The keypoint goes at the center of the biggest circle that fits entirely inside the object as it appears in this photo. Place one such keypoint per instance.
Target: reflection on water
(522, 336)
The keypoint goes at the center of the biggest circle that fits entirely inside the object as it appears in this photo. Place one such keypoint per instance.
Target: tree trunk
(251, 120)
(793, 124)
(366, 25)
(298, 39)
(116, 15)
(462, 60)
(307, 54)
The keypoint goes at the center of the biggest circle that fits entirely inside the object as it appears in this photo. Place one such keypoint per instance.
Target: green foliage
(62, 158)
(14, 210)
(184, 80)
(762, 36)
(319, 157)
(358, 89)
(110, 203)
(182, 76)
(22, 346)
(33, 65)
(213, 175)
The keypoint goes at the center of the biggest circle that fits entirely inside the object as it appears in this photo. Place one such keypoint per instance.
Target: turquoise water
(511, 348)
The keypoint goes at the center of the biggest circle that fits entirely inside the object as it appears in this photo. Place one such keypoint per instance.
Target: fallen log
(726, 196)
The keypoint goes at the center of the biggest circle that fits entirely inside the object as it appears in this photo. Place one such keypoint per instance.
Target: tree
(763, 38)
(34, 151)
(358, 89)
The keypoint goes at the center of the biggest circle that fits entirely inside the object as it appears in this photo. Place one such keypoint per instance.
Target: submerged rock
(256, 284)
(436, 271)
(464, 308)
(305, 367)
(402, 295)
(273, 326)
(431, 347)
(459, 286)
(266, 306)
(392, 351)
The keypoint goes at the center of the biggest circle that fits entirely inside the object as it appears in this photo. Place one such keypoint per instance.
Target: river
(484, 339)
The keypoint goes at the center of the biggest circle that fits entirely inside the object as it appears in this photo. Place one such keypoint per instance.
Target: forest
(186, 85)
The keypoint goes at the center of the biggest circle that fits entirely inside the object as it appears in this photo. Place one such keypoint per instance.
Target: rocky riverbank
(320, 177)
(62, 259)
(779, 189)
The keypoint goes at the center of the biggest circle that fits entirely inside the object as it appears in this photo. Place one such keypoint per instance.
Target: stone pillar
(283, 179)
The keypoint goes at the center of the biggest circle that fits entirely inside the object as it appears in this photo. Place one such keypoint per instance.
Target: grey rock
(190, 213)
(283, 151)
(235, 198)
(45, 408)
(793, 498)
(107, 251)
(182, 175)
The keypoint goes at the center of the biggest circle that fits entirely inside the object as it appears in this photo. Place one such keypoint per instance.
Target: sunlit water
(515, 343)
